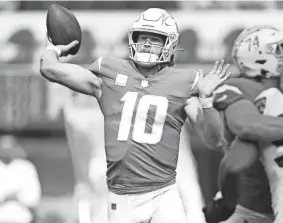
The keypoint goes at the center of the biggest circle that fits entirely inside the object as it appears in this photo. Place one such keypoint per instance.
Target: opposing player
(143, 101)
(257, 53)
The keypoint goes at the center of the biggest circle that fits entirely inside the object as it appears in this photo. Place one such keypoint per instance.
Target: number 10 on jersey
(139, 122)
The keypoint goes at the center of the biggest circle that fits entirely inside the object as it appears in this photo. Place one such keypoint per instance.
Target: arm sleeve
(95, 67)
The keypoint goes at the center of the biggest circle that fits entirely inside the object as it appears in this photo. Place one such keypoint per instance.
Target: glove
(216, 211)
(279, 161)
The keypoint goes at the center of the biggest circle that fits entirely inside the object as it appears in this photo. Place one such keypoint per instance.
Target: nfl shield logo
(144, 83)
(113, 206)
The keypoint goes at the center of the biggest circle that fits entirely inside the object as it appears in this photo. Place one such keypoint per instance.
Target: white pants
(159, 206)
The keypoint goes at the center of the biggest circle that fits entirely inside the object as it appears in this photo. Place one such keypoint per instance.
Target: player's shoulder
(245, 85)
(249, 88)
(184, 77)
(184, 73)
(235, 89)
(24, 165)
(108, 66)
(229, 92)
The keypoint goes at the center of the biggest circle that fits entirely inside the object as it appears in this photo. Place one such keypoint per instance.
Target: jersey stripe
(99, 60)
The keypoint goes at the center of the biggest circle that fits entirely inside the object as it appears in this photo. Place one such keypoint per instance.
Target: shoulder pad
(226, 94)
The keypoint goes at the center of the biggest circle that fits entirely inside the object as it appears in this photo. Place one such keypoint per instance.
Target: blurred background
(33, 110)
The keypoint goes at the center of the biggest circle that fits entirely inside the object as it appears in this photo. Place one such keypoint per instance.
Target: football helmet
(258, 51)
(160, 22)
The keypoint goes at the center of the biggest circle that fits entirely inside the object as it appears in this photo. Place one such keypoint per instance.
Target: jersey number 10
(139, 135)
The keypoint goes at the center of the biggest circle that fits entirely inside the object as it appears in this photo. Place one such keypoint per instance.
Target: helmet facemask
(276, 49)
(156, 22)
(151, 58)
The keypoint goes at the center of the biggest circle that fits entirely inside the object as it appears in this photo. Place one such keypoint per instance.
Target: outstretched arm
(200, 111)
(245, 121)
(70, 75)
(243, 117)
(207, 123)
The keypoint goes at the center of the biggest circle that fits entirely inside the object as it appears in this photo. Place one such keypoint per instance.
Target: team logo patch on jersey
(121, 80)
(144, 83)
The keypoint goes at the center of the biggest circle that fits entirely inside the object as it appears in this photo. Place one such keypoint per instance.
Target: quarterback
(256, 124)
(143, 101)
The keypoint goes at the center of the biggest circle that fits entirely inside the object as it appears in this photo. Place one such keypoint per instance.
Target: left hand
(207, 83)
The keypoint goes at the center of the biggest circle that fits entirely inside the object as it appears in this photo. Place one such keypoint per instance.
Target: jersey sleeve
(226, 94)
(95, 67)
(108, 67)
(195, 78)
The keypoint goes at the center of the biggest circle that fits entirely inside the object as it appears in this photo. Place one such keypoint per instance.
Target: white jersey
(271, 102)
(19, 179)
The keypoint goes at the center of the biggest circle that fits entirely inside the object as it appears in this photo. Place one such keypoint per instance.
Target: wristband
(206, 102)
(52, 47)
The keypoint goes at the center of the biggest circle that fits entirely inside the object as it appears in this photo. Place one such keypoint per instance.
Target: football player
(143, 101)
(20, 191)
(248, 104)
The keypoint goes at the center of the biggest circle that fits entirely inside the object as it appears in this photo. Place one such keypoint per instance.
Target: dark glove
(216, 211)
(279, 161)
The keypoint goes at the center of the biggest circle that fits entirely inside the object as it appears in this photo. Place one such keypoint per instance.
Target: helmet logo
(270, 49)
(172, 37)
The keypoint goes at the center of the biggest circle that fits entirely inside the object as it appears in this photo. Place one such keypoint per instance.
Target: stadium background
(32, 108)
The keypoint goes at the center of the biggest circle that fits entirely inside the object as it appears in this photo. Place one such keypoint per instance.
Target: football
(63, 27)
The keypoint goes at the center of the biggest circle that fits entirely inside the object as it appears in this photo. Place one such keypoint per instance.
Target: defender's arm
(243, 117)
(70, 75)
(244, 120)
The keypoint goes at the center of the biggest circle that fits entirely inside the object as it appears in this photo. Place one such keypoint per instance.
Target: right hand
(216, 211)
(64, 49)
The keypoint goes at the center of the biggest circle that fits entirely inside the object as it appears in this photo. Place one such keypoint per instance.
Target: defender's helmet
(258, 51)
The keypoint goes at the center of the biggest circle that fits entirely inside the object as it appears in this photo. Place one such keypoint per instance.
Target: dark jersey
(254, 192)
(143, 118)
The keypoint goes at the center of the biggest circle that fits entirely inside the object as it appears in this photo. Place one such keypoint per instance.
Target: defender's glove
(216, 211)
